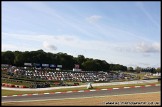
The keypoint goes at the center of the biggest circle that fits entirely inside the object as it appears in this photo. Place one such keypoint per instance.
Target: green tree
(79, 60)
(19, 59)
(158, 69)
(89, 65)
(130, 69)
(138, 69)
(7, 57)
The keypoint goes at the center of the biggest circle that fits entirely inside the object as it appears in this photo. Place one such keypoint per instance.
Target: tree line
(18, 58)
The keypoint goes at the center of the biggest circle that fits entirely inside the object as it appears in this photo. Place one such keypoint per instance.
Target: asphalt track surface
(82, 94)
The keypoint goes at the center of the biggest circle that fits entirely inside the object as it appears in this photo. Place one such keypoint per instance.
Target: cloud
(144, 64)
(14, 47)
(148, 47)
(6, 47)
(123, 48)
(69, 41)
(141, 6)
(93, 19)
(48, 46)
(75, 42)
(69, 38)
(146, 54)
(51, 13)
(74, 45)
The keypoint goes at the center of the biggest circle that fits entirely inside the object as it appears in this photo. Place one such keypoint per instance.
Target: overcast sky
(126, 33)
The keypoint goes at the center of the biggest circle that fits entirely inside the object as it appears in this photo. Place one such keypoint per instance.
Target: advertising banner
(28, 64)
(45, 65)
(59, 66)
(52, 65)
(37, 65)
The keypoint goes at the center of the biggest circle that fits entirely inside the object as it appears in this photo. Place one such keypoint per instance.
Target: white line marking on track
(24, 95)
(81, 97)
(126, 87)
(115, 88)
(147, 85)
(81, 91)
(57, 92)
(69, 91)
(157, 85)
(4, 96)
(46, 93)
(92, 90)
(34, 94)
(103, 89)
(137, 86)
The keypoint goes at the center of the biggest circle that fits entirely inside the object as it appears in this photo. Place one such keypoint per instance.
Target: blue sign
(59, 66)
(52, 65)
(45, 65)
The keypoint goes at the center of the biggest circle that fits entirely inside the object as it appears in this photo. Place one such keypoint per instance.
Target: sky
(126, 33)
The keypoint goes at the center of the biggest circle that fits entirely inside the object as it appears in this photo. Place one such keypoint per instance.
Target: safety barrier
(13, 86)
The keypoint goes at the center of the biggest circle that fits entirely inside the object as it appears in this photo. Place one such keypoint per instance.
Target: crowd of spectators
(84, 76)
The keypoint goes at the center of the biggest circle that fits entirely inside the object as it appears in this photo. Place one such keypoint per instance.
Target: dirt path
(135, 98)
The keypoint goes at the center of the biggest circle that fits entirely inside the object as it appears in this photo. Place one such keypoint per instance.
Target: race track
(82, 94)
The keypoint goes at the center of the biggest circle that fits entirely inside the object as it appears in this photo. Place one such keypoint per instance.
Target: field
(145, 98)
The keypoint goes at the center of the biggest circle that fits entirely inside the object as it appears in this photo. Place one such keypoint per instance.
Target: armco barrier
(9, 85)
(3, 84)
(23, 86)
(16, 86)
(13, 86)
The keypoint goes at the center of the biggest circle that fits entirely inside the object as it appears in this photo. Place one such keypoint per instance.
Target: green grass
(10, 92)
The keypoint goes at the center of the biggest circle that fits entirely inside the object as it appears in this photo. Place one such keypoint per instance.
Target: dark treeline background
(18, 58)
